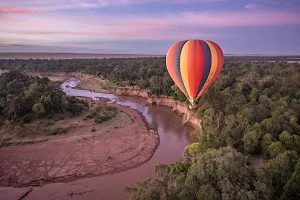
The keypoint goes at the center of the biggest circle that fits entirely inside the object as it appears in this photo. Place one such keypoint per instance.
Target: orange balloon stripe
(184, 61)
(170, 65)
(192, 68)
(221, 60)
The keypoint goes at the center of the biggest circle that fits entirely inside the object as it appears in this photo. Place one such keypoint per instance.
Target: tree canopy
(23, 98)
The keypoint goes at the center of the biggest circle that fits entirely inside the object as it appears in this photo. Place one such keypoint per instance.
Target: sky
(149, 26)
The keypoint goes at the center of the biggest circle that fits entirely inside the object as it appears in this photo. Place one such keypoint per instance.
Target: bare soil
(88, 149)
(93, 83)
(87, 82)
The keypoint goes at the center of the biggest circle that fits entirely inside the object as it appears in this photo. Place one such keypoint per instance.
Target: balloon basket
(192, 107)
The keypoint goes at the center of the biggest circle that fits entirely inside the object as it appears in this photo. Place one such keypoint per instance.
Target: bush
(102, 113)
(57, 131)
(28, 117)
(91, 116)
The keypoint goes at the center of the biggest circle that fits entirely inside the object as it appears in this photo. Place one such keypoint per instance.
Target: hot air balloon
(194, 65)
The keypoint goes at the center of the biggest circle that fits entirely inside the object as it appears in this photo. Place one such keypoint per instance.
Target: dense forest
(253, 109)
(24, 98)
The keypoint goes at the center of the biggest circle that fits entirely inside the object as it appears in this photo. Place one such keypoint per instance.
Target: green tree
(228, 172)
(251, 142)
(217, 174)
(177, 93)
(292, 187)
(286, 139)
(13, 106)
(276, 148)
(65, 103)
(144, 190)
(47, 102)
(191, 152)
(280, 169)
(39, 109)
(267, 139)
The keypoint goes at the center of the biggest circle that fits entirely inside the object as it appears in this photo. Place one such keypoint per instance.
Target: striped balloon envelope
(194, 65)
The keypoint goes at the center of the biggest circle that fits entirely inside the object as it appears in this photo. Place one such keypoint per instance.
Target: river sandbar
(80, 153)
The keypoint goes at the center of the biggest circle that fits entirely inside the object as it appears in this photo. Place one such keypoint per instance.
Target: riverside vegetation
(252, 109)
(24, 99)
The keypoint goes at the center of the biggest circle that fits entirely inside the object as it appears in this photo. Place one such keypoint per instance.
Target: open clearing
(2, 71)
(93, 83)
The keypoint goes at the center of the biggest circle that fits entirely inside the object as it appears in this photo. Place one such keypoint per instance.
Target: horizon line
(145, 54)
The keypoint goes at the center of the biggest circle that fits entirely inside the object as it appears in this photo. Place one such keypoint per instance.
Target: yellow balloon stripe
(213, 69)
(184, 58)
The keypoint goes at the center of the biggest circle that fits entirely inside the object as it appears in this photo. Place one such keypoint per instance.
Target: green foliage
(103, 113)
(275, 148)
(249, 100)
(266, 140)
(291, 142)
(47, 103)
(217, 174)
(38, 108)
(22, 96)
(229, 173)
(191, 152)
(292, 187)
(208, 192)
(177, 94)
(144, 191)
(281, 168)
(251, 142)
(65, 103)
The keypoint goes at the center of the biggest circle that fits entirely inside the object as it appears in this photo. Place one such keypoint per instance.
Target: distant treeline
(262, 58)
(252, 106)
(150, 73)
(144, 72)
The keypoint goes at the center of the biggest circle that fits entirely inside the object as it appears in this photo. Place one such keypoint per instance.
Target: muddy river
(173, 138)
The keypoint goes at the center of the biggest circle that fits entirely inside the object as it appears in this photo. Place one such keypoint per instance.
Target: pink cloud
(34, 6)
(170, 26)
(194, 19)
(222, 19)
(121, 34)
(21, 10)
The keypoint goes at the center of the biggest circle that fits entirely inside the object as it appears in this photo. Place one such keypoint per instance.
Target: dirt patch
(87, 82)
(3, 71)
(53, 76)
(88, 149)
(94, 84)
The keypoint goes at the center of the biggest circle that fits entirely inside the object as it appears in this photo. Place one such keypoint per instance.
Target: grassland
(93, 83)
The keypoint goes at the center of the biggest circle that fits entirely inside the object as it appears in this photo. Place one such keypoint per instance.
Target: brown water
(173, 138)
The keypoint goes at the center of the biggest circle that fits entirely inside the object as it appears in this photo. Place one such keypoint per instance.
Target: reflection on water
(173, 138)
